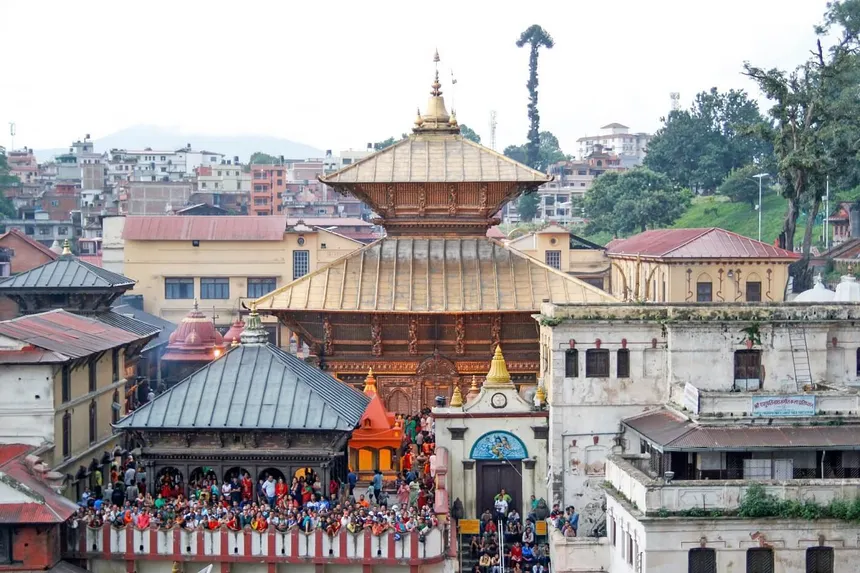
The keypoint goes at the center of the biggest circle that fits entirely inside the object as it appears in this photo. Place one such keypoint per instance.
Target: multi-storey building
(23, 165)
(181, 164)
(662, 419)
(616, 138)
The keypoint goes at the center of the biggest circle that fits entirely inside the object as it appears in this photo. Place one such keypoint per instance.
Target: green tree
(380, 145)
(260, 158)
(7, 180)
(699, 147)
(469, 133)
(632, 201)
(816, 115)
(536, 38)
(740, 186)
(549, 151)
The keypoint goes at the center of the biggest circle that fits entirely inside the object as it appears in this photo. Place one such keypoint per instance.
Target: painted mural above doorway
(498, 445)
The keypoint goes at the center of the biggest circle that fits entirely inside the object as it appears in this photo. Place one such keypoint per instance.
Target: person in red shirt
(247, 487)
(281, 491)
(516, 553)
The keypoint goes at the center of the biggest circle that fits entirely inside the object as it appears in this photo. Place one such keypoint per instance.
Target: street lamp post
(760, 176)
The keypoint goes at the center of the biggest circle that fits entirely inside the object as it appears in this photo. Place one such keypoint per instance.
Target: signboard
(777, 406)
(469, 527)
(540, 527)
(691, 398)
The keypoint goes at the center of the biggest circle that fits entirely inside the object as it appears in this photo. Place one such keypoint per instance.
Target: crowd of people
(237, 503)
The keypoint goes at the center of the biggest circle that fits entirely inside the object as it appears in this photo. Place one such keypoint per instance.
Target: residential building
(617, 138)
(223, 262)
(662, 418)
(64, 384)
(23, 254)
(23, 165)
(165, 166)
(154, 198)
(43, 229)
(225, 186)
(562, 250)
(268, 183)
(697, 265)
(33, 513)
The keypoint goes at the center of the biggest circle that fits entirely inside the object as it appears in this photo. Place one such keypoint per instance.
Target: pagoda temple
(426, 306)
(194, 344)
(374, 443)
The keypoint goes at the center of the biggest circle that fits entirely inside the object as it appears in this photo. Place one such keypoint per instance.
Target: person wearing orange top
(280, 491)
(259, 523)
(363, 502)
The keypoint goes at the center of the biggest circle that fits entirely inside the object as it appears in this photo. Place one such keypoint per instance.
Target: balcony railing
(653, 496)
(272, 546)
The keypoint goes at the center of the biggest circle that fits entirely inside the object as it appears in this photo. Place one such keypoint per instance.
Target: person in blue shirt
(573, 519)
(377, 485)
(351, 479)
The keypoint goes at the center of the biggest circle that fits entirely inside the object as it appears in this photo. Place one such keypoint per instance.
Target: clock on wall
(499, 400)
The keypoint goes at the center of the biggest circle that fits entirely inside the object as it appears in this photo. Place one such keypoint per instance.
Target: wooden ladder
(799, 355)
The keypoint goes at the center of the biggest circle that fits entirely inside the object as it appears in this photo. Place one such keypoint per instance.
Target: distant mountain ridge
(161, 139)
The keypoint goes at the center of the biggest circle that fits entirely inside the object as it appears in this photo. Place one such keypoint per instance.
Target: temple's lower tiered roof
(420, 274)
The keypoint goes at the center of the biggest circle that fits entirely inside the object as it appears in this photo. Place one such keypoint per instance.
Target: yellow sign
(470, 526)
(540, 527)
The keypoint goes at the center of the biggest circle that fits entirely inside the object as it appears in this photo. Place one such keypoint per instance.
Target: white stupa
(848, 289)
(818, 293)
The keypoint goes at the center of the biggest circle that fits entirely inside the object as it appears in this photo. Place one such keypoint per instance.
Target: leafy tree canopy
(632, 201)
(469, 133)
(380, 145)
(741, 186)
(699, 147)
(6, 180)
(549, 152)
(260, 158)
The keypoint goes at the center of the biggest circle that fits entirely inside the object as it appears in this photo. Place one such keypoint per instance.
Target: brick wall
(26, 257)
(34, 548)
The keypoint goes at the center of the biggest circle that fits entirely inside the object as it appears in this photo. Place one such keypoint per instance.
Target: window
(163, 158)
(215, 288)
(67, 383)
(753, 291)
(62, 230)
(261, 287)
(280, 181)
(553, 259)
(301, 263)
(703, 292)
(178, 288)
(55, 203)
(819, 560)
(613, 532)
(702, 560)
(67, 435)
(596, 363)
(203, 185)
(759, 560)
(93, 371)
(115, 407)
(571, 363)
(858, 361)
(6, 545)
(115, 364)
(622, 367)
(748, 369)
(94, 431)
(44, 230)
(219, 174)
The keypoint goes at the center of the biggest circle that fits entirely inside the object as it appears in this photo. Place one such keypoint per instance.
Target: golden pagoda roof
(423, 274)
(431, 157)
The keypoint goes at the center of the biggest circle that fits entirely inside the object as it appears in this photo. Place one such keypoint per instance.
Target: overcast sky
(338, 74)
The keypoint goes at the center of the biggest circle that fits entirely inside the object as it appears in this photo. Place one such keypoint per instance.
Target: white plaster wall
(113, 251)
(26, 404)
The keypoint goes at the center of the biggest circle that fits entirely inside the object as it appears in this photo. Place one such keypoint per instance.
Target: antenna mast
(493, 124)
(12, 133)
(675, 97)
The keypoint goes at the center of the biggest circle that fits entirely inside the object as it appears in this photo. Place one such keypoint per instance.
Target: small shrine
(374, 443)
(233, 335)
(499, 438)
(193, 344)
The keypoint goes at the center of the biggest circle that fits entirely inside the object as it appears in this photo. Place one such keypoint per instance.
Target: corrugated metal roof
(328, 222)
(26, 513)
(398, 274)
(67, 272)
(8, 452)
(710, 243)
(47, 505)
(204, 228)
(672, 432)
(165, 327)
(66, 333)
(251, 387)
(435, 158)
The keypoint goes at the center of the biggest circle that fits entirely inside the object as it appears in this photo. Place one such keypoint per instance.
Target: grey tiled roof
(155, 323)
(66, 272)
(254, 387)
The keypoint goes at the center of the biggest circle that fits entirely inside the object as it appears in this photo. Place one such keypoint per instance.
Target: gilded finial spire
(419, 121)
(435, 118)
(498, 374)
(67, 248)
(457, 397)
(254, 332)
(370, 383)
(474, 390)
(196, 306)
(540, 394)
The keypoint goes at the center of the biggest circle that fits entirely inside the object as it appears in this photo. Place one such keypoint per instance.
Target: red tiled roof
(95, 260)
(35, 244)
(47, 505)
(495, 233)
(65, 333)
(204, 228)
(710, 243)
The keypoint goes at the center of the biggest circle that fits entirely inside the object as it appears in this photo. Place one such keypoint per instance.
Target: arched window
(94, 430)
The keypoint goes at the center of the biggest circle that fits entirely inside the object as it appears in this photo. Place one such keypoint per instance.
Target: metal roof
(710, 243)
(328, 222)
(47, 506)
(204, 228)
(165, 327)
(398, 274)
(254, 387)
(68, 334)
(67, 272)
(435, 158)
(33, 243)
(672, 432)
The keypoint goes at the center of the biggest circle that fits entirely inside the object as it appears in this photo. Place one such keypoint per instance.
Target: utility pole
(827, 215)
(760, 176)
(12, 133)
(493, 124)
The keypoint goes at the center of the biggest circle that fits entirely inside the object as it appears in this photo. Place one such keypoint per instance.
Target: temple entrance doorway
(436, 376)
(493, 476)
